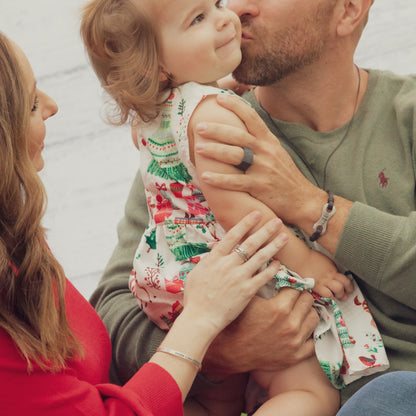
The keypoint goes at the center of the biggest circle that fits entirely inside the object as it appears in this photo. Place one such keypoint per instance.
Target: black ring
(247, 159)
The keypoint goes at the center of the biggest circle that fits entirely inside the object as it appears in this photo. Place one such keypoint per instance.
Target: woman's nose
(50, 107)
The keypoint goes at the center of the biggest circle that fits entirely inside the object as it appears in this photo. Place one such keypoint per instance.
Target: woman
(54, 350)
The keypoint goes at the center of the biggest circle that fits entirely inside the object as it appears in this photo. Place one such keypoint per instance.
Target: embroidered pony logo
(383, 180)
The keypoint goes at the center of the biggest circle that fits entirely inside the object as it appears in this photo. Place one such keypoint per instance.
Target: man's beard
(274, 56)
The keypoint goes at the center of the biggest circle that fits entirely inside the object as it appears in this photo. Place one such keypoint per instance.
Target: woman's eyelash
(35, 104)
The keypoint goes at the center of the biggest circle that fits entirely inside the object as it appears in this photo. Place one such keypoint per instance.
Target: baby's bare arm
(229, 207)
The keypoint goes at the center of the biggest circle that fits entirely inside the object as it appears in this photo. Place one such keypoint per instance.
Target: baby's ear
(163, 76)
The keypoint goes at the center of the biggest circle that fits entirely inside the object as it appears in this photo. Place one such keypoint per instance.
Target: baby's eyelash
(198, 19)
(35, 104)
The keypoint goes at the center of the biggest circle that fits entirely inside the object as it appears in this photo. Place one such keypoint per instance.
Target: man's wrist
(311, 211)
(328, 211)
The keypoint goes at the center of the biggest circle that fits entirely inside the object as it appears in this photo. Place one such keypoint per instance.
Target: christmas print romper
(182, 229)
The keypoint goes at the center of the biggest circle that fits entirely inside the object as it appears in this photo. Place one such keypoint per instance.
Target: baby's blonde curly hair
(122, 45)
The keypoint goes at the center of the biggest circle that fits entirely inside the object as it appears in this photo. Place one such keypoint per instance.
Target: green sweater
(374, 166)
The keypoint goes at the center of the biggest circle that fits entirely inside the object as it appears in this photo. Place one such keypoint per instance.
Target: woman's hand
(222, 284)
(216, 292)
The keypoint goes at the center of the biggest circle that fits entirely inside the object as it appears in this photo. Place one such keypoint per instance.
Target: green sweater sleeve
(134, 337)
(378, 241)
(380, 248)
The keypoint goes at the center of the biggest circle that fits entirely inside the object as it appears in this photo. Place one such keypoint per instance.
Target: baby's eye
(220, 3)
(198, 19)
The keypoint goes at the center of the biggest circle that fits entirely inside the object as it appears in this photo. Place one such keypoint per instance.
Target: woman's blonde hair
(122, 45)
(32, 283)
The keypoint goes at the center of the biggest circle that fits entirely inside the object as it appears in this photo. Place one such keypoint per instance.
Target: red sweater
(83, 388)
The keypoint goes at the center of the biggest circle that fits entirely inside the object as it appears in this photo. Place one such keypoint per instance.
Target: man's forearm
(379, 248)
(375, 245)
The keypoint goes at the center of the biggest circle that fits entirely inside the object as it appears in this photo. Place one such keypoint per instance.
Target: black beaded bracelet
(328, 211)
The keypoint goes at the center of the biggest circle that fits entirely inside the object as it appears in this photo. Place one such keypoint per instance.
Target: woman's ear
(353, 14)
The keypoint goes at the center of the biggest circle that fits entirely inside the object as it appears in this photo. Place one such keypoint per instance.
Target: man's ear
(353, 14)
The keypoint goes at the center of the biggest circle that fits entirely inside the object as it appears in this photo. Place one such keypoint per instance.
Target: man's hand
(273, 178)
(269, 335)
(229, 83)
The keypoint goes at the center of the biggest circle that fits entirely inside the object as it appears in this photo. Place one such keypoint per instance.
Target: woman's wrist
(180, 355)
(191, 335)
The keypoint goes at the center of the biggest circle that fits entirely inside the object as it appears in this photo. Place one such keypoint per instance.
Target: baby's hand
(329, 282)
(335, 285)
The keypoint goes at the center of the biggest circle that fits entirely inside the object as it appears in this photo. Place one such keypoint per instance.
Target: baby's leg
(223, 399)
(300, 390)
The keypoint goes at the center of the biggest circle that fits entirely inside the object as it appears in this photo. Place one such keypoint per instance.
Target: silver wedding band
(247, 160)
(241, 252)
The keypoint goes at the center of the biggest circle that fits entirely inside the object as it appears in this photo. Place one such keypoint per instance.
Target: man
(301, 53)
(347, 130)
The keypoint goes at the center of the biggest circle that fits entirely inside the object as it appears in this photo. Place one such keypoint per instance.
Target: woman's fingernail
(200, 127)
